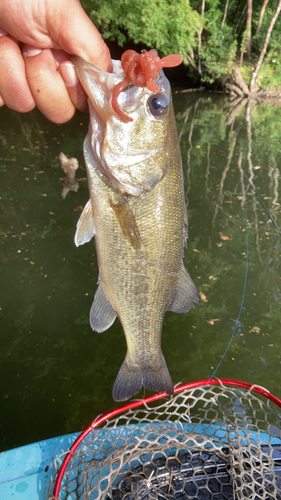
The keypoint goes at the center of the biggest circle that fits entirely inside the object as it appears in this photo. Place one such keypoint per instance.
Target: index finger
(77, 35)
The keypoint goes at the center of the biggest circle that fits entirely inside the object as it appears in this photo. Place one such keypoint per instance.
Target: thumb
(75, 33)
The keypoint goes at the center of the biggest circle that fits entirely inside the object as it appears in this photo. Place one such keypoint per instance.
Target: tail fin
(131, 378)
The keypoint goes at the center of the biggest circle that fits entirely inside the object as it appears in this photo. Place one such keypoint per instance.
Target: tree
(263, 51)
(249, 27)
(225, 14)
(262, 11)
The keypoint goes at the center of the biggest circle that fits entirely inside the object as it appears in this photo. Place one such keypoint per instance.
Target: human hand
(36, 36)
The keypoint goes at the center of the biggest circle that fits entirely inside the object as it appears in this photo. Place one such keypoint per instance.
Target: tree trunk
(249, 134)
(225, 14)
(262, 11)
(236, 109)
(238, 29)
(232, 142)
(249, 27)
(235, 89)
(199, 40)
(263, 51)
(239, 80)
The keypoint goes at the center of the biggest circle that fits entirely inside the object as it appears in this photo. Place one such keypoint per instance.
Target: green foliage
(173, 26)
(244, 41)
(169, 26)
(275, 39)
(246, 72)
(166, 25)
(218, 45)
(270, 75)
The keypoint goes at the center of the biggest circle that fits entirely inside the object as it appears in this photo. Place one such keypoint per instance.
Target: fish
(137, 214)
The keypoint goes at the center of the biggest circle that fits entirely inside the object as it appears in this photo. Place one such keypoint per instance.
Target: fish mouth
(98, 84)
(116, 157)
(86, 66)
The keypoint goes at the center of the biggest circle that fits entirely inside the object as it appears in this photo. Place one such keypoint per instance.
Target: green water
(56, 375)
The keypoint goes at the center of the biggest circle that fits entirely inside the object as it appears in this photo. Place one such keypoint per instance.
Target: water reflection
(51, 363)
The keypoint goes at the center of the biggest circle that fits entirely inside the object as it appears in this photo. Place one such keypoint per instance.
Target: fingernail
(3, 32)
(68, 74)
(30, 51)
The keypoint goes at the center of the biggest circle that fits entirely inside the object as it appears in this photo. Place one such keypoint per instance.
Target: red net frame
(135, 404)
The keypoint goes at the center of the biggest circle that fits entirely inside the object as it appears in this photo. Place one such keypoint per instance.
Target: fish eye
(158, 104)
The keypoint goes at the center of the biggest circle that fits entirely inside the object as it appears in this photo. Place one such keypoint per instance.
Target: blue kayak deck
(26, 472)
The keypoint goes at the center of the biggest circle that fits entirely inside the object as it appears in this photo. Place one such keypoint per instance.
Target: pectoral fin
(102, 314)
(185, 293)
(85, 226)
(127, 222)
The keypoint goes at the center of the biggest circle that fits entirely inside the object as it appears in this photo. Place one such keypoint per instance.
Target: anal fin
(185, 295)
(102, 314)
(127, 222)
(85, 225)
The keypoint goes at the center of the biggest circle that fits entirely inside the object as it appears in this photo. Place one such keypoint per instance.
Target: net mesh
(212, 443)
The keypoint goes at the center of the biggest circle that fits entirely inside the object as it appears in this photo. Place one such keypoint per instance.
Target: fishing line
(271, 222)
(245, 281)
(269, 219)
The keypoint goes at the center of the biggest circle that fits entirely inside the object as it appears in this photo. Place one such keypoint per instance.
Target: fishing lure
(141, 70)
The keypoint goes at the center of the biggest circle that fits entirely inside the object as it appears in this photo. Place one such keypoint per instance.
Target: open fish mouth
(132, 164)
(98, 84)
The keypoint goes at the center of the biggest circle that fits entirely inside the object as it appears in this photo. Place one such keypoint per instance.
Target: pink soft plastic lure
(141, 70)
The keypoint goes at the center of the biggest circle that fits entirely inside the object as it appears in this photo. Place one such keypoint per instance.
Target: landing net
(213, 440)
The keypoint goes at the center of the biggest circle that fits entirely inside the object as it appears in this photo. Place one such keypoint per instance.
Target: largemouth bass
(138, 215)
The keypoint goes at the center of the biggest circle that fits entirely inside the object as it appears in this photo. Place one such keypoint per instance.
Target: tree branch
(225, 14)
